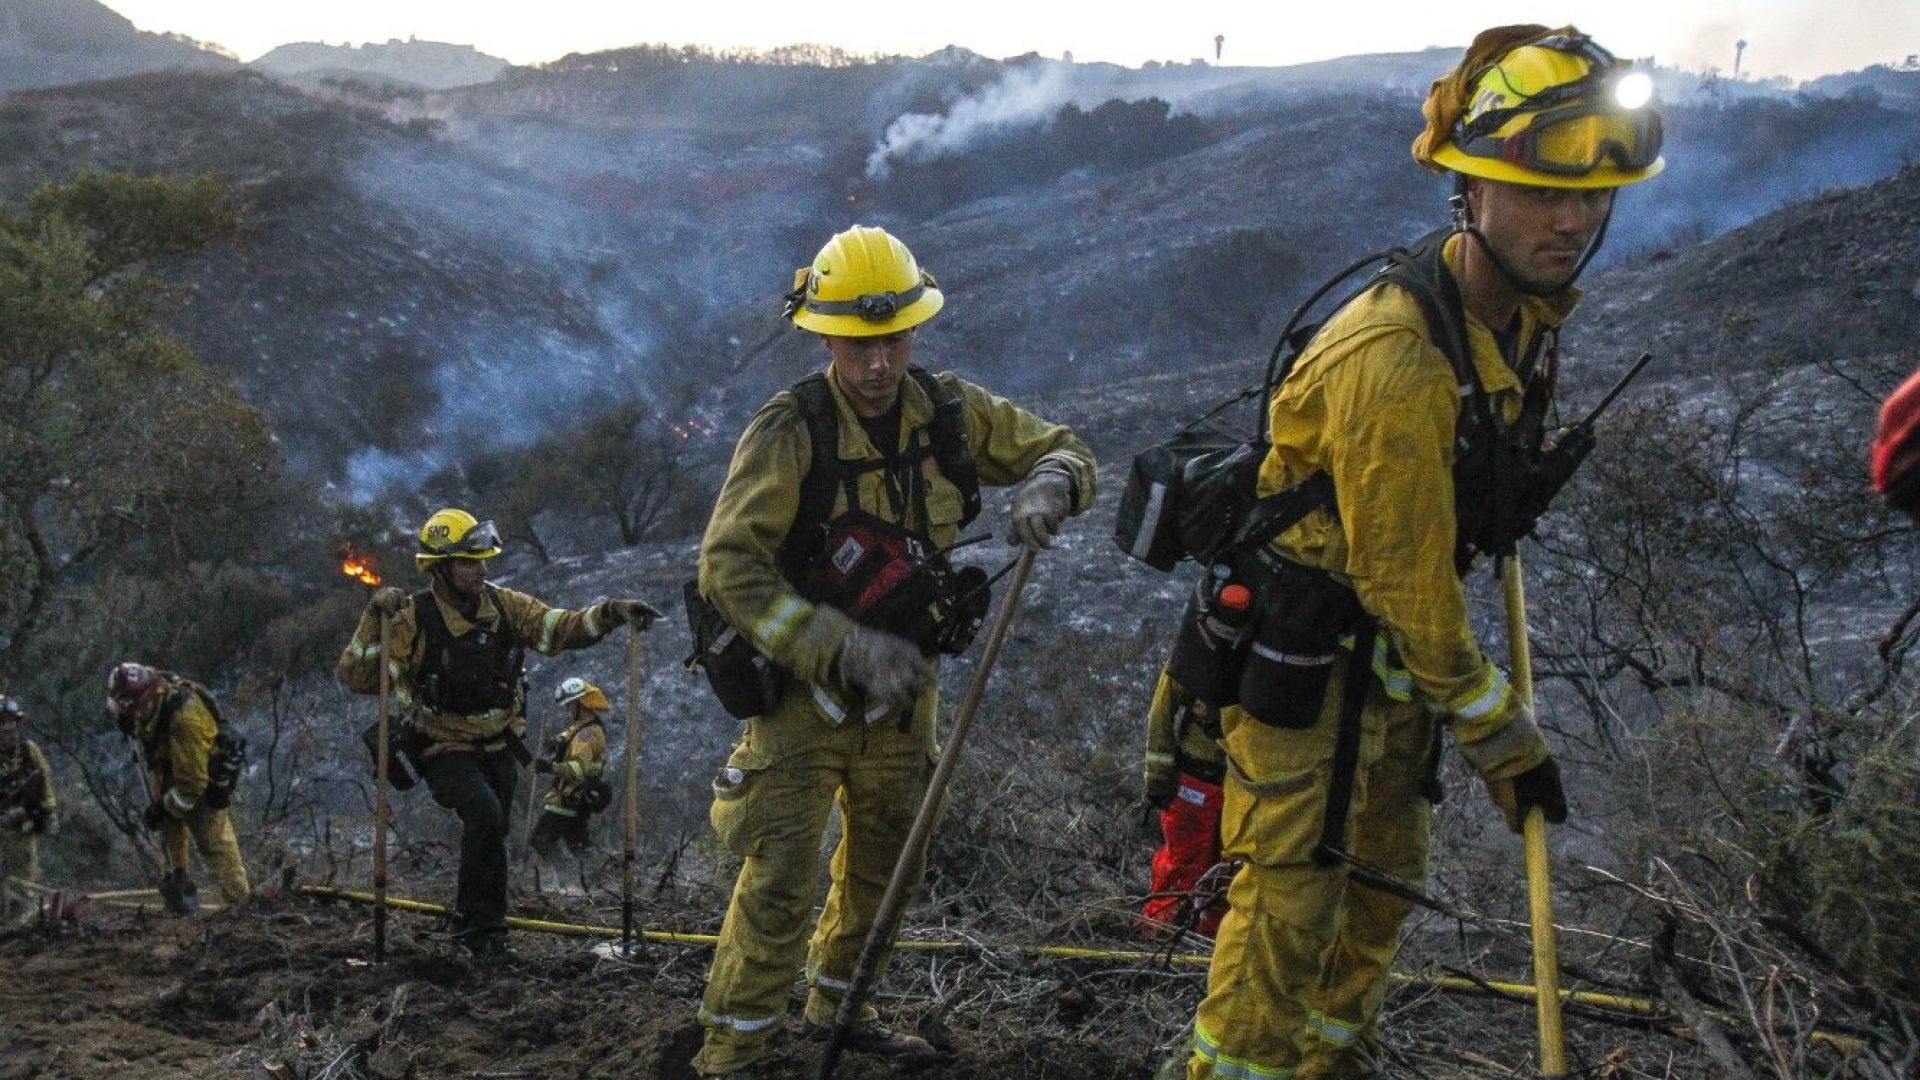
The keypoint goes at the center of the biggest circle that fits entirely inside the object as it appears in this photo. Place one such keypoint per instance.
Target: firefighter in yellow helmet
(1540, 128)
(456, 669)
(834, 478)
(192, 764)
(576, 757)
(27, 804)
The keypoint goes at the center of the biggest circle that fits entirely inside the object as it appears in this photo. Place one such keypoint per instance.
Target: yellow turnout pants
(792, 767)
(1301, 961)
(212, 832)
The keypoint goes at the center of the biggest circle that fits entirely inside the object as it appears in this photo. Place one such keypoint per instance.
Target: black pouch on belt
(400, 753)
(1303, 614)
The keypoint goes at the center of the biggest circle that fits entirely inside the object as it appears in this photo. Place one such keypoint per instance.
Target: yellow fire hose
(1546, 948)
(1653, 1010)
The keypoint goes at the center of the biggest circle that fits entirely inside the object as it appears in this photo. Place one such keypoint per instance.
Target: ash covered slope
(56, 42)
(620, 225)
(1834, 279)
(357, 314)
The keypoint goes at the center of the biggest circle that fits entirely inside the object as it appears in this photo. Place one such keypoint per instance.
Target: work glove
(155, 816)
(40, 822)
(889, 669)
(388, 600)
(1538, 786)
(635, 613)
(543, 765)
(1041, 502)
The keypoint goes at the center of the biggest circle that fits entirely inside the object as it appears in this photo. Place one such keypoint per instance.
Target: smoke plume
(1024, 96)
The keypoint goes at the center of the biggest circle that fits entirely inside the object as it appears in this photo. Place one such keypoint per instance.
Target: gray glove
(1040, 504)
(636, 613)
(890, 670)
(388, 600)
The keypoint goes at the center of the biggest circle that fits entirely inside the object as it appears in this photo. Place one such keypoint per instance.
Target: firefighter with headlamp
(830, 477)
(455, 669)
(1410, 429)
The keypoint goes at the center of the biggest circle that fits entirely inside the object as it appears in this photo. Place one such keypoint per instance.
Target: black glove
(636, 613)
(1162, 783)
(155, 816)
(39, 821)
(543, 765)
(1538, 786)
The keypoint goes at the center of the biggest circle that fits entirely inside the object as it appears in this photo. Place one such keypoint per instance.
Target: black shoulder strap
(1418, 268)
(952, 448)
(428, 626)
(815, 399)
(1422, 271)
(826, 472)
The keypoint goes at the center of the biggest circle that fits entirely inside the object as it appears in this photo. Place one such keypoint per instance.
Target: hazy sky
(1796, 38)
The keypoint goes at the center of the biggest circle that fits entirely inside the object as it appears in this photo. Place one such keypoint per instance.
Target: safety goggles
(1574, 140)
(482, 539)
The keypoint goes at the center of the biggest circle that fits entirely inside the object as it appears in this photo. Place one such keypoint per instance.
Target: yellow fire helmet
(453, 533)
(590, 697)
(864, 283)
(1552, 110)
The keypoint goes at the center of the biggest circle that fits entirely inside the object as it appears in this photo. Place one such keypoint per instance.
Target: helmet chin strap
(1462, 217)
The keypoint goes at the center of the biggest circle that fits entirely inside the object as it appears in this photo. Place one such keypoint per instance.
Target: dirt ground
(284, 989)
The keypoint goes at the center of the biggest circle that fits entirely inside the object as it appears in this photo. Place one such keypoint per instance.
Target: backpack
(1192, 496)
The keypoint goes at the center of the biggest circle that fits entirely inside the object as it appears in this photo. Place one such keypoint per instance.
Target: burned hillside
(454, 300)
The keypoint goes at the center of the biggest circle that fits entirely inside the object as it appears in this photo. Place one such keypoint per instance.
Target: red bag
(883, 576)
(1191, 828)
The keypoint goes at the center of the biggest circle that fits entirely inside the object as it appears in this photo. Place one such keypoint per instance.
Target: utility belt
(409, 747)
(1262, 632)
(878, 574)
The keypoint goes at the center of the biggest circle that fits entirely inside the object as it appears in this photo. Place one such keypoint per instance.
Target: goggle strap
(873, 307)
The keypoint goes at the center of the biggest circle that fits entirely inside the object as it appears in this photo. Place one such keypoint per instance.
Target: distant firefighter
(192, 766)
(576, 758)
(26, 804)
(458, 647)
